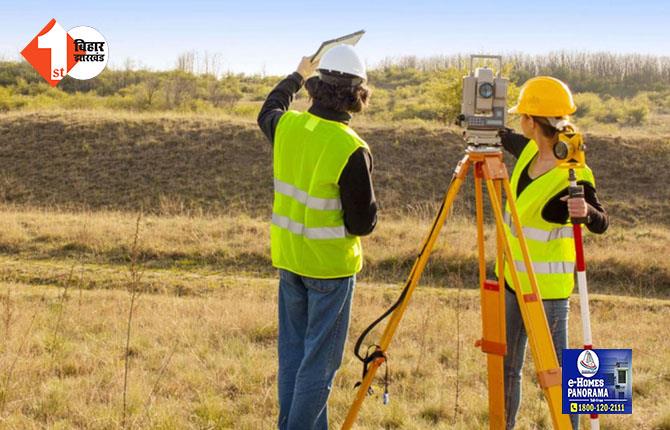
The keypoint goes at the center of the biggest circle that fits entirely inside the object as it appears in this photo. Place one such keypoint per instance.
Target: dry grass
(39, 247)
(202, 352)
(210, 361)
(203, 348)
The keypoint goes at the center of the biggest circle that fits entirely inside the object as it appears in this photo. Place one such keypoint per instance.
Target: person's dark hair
(343, 97)
(547, 129)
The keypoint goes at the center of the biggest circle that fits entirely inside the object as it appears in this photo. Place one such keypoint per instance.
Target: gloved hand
(505, 134)
(505, 131)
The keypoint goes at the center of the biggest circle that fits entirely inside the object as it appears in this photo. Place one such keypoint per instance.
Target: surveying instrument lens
(561, 150)
(486, 90)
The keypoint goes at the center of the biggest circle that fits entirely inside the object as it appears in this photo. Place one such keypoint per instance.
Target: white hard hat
(343, 59)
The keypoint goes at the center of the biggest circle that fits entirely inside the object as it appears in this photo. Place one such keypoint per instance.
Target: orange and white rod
(583, 292)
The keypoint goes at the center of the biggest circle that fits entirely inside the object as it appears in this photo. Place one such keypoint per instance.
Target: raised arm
(280, 98)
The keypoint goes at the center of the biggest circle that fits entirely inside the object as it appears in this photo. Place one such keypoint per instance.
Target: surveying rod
(577, 191)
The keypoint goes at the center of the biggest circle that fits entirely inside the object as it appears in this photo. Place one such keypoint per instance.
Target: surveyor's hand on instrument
(307, 67)
(577, 207)
(505, 131)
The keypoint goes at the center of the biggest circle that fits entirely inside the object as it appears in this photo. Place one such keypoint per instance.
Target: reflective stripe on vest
(538, 234)
(307, 200)
(555, 267)
(308, 232)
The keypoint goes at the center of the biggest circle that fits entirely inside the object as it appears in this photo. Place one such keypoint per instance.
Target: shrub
(246, 110)
(120, 102)
(445, 89)
(588, 105)
(5, 99)
(636, 111)
(636, 115)
(612, 111)
(80, 101)
(225, 92)
(626, 112)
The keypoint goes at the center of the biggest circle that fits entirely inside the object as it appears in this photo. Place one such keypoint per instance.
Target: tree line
(615, 88)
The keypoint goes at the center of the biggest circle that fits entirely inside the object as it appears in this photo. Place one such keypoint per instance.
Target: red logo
(51, 53)
(81, 52)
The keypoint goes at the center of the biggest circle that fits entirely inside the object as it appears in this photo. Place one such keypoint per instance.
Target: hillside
(199, 355)
(177, 164)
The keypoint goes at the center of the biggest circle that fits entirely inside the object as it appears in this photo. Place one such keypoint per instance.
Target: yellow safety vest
(308, 235)
(551, 245)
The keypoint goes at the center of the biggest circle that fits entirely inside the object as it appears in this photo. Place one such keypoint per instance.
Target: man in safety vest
(541, 191)
(323, 202)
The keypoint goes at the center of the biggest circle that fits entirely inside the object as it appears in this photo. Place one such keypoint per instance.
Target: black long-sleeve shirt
(556, 210)
(356, 191)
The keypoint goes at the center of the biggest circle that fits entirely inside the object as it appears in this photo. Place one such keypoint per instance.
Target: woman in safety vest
(541, 191)
(323, 202)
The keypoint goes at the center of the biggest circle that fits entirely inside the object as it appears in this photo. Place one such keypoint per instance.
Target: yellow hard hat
(545, 96)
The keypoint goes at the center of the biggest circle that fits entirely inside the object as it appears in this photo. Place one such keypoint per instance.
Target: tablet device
(350, 39)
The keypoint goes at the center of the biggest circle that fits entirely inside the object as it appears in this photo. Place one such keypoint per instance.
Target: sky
(270, 37)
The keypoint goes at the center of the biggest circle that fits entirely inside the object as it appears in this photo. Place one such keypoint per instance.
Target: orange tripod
(488, 166)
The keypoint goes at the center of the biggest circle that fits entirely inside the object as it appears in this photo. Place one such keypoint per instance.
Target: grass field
(202, 351)
(203, 344)
(39, 246)
(209, 360)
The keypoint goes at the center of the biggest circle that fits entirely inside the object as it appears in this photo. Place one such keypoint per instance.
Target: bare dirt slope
(170, 163)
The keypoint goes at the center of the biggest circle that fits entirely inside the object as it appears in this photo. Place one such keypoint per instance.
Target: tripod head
(483, 104)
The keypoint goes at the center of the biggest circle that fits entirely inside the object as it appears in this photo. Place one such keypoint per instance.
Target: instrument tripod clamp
(377, 358)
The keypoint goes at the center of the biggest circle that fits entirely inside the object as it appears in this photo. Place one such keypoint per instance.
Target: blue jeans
(313, 325)
(517, 339)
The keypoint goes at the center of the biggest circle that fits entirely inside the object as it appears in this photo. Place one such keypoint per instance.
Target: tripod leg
(500, 257)
(412, 281)
(493, 322)
(532, 312)
(501, 263)
(502, 322)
